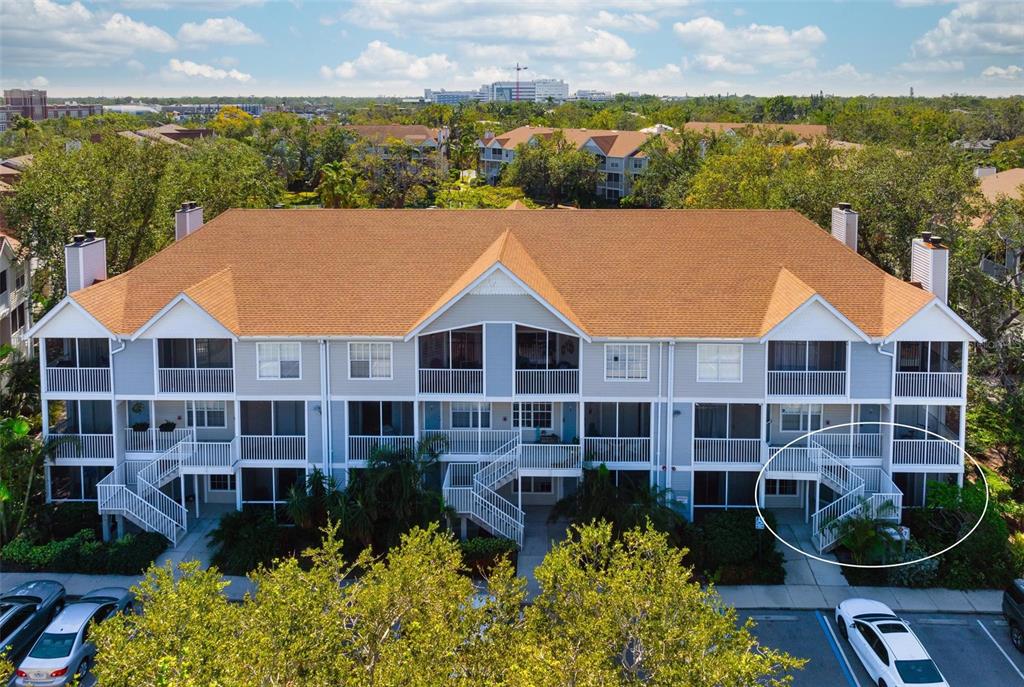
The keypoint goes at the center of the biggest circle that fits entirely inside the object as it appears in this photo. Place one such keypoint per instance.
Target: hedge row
(83, 553)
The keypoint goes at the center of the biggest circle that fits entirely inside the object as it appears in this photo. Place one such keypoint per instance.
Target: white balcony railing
(81, 379)
(617, 450)
(709, 450)
(267, 447)
(472, 441)
(199, 455)
(929, 384)
(539, 382)
(360, 447)
(196, 380)
(82, 445)
(807, 383)
(154, 440)
(445, 381)
(550, 457)
(791, 459)
(926, 452)
(847, 445)
(458, 486)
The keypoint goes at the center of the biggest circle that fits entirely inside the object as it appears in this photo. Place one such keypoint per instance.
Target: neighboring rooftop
(612, 142)
(1003, 184)
(803, 131)
(412, 134)
(651, 273)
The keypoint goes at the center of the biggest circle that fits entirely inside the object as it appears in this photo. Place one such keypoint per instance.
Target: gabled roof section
(185, 316)
(68, 319)
(788, 294)
(216, 295)
(509, 253)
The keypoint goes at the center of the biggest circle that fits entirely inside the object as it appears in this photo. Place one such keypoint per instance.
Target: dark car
(25, 611)
(1013, 611)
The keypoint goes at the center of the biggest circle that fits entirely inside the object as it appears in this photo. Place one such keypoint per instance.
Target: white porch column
(238, 489)
(195, 491)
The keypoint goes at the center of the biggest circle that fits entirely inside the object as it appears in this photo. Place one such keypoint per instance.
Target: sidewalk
(811, 597)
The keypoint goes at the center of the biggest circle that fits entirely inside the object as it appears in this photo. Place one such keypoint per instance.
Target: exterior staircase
(138, 496)
(860, 491)
(473, 491)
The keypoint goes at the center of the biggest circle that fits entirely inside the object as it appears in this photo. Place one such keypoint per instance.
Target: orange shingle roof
(379, 133)
(656, 273)
(612, 143)
(804, 131)
(1007, 183)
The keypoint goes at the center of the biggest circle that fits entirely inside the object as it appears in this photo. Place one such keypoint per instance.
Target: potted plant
(140, 426)
(167, 426)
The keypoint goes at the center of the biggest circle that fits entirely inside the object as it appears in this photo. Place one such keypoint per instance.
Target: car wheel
(1017, 637)
(842, 628)
(881, 683)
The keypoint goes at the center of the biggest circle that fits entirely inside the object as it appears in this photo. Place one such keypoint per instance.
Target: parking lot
(972, 650)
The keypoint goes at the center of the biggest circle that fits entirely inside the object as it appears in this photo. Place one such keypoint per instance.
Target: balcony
(470, 441)
(451, 381)
(78, 379)
(807, 383)
(929, 384)
(617, 449)
(790, 459)
(272, 447)
(154, 440)
(550, 457)
(82, 446)
(850, 445)
(196, 380)
(545, 382)
(926, 453)
(714, 450)
(360, 447)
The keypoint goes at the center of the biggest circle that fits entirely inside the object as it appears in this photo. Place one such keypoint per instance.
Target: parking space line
(837, 650)
(1008, 660)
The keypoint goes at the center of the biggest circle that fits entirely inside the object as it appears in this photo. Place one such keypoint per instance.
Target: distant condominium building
(618, 153)
(185, 110)
(32, 104)
(537, 90)
(29, 103)
(593, 96)
(443, 97)
(73, 110)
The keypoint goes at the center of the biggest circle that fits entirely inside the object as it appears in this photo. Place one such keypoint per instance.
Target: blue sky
(386, 47)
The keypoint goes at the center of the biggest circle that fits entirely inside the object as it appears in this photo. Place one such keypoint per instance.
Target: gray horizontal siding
(403, 372)
(870, 372)
(595, 386)
(247, 383)
(472, 309)
(133, 368)
(499, 353)
(686, 383)
(682, 434)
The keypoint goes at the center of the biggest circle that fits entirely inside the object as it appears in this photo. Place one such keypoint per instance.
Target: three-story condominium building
(679, 348)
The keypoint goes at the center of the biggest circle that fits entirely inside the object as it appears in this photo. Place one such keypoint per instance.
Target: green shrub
(1017, 553)
(83, 553)
(245, 540)
(727, 548)
(486, 548)
(63, 520)
(923, 574)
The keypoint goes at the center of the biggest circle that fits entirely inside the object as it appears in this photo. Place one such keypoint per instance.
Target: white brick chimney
(85, 261)
(929, 265)
(844, 225)
(187, 219)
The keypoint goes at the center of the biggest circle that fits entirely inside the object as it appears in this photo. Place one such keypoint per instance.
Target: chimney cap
(935, 240)
(926, 236)
(90, 234)
(844, 206)
(79, 238)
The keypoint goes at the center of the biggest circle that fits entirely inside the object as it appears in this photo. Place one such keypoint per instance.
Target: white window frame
(474, 410)
(278, 345)
(772, 487)
(197, 407)
(530, 483)
(230, 481)
(714, 351)
(625, 348)
(370, 360)
(806, 412)
(518, 414)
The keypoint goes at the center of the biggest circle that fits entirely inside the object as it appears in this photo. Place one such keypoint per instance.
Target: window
(18, 319)
(213, 353)
(222, 482)
(719, 362)
(801, 418)
(369, 361)
(3, 281)
(531, 415)
(780, 487)
(627, 362)
(534, 485)
(19, 280)
(471, 415)
(207, 414)
(279, 360)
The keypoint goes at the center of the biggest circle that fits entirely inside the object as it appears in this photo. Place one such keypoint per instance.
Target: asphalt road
(970, 650)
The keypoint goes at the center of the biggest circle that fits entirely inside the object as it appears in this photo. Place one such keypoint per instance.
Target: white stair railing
(493, 510)
(116, 498)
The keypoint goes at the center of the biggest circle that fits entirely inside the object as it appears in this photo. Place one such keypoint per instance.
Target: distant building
(621, 159)
(209, 110)
(423, 138)
(73, 110)
(133, 109)
(32, 104)
(29, 103)
(804, 132)
(593, 96)
(537, 90)
(443, 97)
(171, 134)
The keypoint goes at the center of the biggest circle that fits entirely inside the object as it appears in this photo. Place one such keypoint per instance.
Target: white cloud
(976, 28)
(223, 31)
(43, 32)
(931, 66)
(598, 44)
(39, 82)
(744, 49)
(382, 62)
(625, 22)
(181, 4)
(205, 71)
(1010, 73)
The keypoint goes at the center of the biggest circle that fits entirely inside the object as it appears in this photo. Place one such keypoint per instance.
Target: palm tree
(24, 125)
(339, 186)
(313, 504)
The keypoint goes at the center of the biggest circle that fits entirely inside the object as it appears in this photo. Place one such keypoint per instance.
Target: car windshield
(892, 628)
(920, 672)
(52, 645)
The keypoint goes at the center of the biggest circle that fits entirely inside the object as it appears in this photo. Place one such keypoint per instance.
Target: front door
(568, 422)
(432, 415)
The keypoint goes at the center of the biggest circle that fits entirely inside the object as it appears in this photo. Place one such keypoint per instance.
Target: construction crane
(519, 69)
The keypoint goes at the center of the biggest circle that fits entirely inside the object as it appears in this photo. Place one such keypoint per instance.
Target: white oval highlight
(878, 423)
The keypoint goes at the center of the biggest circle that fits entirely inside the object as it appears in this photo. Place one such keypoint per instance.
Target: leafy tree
(24, 126)
(22, 455)
(340, 186)
(398, 175)
(1009, 154)
(19, 393)
(779, 108)
(672, 160)
(469, 195)
(551, 169)
(233, 122)
(312, 504)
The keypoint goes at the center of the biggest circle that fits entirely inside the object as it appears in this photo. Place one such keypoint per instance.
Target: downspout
(660, 399)
(325, 407)
(670, 412)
